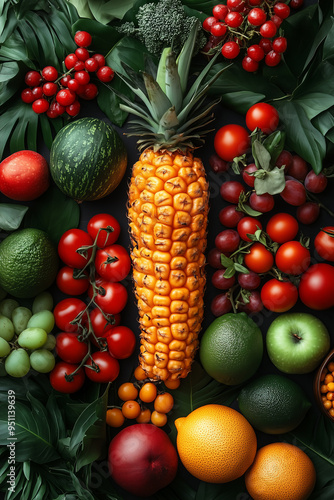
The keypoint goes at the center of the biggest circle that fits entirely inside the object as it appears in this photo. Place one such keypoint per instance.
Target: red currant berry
(79, 66)
(280, 44)
(32, 78)
(272, 58)
(105, 74)
(276, 20)
(218, 29)
(40, 106)
(249, 64)
(220, 11)
(70, 61)
(27, 96)
(59, 108)
(82, 53)
(73, 85)
(37, 92)
(73, 109)
(50, 88)
(91, 64)
(64, 81)
(83, 39)
(234, 19)
(230, 50)
(208, 23)
(254, 3)
(265, 45)
(89, 91)
(82, 77)
(236, 5)
(49, 73)
(268, 29)
(255, 52)
(65, 97)
(282, 10)
(256, 16)
(52, 112)
(100, 59)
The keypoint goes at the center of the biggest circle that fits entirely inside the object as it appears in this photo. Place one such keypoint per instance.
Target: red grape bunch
(55, 94)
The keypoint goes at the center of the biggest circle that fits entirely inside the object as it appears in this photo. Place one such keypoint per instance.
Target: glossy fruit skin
(262, 202)
(24, 176)
(248, 225)
(108, 367)
(315, 183)
(121, 342)
(69, 243)
(113, 271)
(221, 305)
(282, 227)
(69, 348)
(220, 282)
(88, 159)
(66, 311)
(227, 241)
(308, 212)
(152, 463)
(279, 296)
(104, 238)
(316, 288)
(292, 258)
(294, 193)
(231, 190)
(229, 216)
(260, 259)
(59, 382)
(111, 297)
(324, 243)
(263, 116)
(231, 141)
(249, 179)
(70, 285)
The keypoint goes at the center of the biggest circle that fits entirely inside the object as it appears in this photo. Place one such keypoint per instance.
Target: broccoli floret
(163, 24)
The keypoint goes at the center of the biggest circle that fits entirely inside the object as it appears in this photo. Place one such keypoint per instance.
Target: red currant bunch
(248, 27)
(55, 94)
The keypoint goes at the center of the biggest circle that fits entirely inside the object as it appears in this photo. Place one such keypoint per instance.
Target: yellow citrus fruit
(215, 443)
(280, 471)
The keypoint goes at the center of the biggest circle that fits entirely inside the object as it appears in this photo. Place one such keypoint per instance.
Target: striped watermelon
(88, 159)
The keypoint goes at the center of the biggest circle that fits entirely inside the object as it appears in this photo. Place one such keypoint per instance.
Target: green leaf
(37, 385)
(54, 213)
(324, 122)
(109, 10)
(82, 492)
(103, 37)
(11, 216)
(328, 28)
(274, 144)
(127, 51)
(302, 137)
(225, 261)
(315, 103)
(229, 272)
(272, 182)
(261, 155)
(8, 71)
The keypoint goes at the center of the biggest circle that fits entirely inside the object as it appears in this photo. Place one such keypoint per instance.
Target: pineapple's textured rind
(167, 210)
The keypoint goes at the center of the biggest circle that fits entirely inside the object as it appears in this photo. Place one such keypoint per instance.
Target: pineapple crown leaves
(167, 115)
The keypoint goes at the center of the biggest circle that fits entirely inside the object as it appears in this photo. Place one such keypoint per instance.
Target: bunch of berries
(248, 26)
(55, 94)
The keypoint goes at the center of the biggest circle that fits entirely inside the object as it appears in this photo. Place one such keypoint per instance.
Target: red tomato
(259, 259)
(60, 382)
(66, 311)
(231, 141)
(69, 348)
(111, 231)
(111, 297)
(324, 243)
(248, 225)
(121, 342)
(102, 367)
(113, 263)
(67, 283)
(279, 296)
(24, 176)
(316, 287)
(263, 116)
(292, 258)
(100, 324)
(282, 227)
(68, 246)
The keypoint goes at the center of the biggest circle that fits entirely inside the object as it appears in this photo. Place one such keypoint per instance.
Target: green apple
(297, 342)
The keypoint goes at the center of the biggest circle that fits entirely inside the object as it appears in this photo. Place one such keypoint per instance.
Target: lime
(28, 263)
(273, 403)
(231, 348)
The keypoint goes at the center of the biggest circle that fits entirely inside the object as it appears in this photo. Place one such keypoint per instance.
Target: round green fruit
(17, 363)
(32, 338)
(231, 348)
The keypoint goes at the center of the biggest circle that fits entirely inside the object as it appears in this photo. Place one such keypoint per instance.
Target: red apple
(24, 176)
(142, 459)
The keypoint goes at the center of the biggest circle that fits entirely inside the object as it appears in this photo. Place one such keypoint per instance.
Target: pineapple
(168, 205)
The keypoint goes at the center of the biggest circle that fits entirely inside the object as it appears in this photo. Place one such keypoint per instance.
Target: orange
(215, 443)
(280, 471)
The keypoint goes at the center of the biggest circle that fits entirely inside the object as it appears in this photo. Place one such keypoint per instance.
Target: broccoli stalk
(161, 25)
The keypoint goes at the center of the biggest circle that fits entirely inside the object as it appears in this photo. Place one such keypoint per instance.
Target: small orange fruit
(215, 443)
(280, 471)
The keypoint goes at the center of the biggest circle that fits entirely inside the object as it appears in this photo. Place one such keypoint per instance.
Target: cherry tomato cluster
(142, 401)
(91, 339)
(55, 94)
(250, 27)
